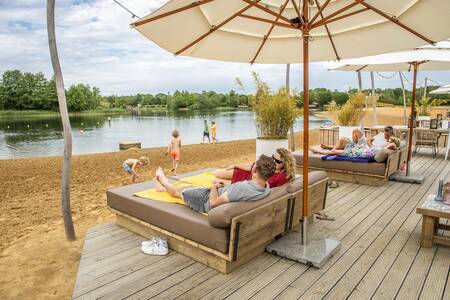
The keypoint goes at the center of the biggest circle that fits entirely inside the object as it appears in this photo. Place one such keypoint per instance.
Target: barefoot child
(174, 150)
(131, 164)
(213, 132)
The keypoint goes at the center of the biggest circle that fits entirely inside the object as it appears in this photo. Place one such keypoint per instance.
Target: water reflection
(42, 136)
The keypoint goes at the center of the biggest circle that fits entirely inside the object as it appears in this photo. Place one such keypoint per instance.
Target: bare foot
(158, 185)
(326, 147)
(314, 150)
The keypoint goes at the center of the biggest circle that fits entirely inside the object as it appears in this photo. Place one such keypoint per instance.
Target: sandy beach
(36, 260)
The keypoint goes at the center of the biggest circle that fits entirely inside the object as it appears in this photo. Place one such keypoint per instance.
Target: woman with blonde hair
(284, 173)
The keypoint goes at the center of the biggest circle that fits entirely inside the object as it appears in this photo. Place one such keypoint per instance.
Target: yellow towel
(201, 180)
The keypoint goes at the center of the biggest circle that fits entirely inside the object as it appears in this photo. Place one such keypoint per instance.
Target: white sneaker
(149, 242)
(155, 247)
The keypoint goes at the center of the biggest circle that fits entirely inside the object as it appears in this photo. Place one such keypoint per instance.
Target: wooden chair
(426, 138)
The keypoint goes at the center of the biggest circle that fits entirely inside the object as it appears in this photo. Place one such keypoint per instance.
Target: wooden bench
(128, 145)
(432, 211)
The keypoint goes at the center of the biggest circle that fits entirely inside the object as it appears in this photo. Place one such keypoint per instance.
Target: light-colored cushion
(382, 155)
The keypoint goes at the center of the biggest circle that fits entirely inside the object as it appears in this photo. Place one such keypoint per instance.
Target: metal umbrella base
(316, 253)
(411, 178)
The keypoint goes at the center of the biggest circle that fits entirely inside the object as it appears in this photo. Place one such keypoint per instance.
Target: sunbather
(384, 140)
(203, 199)
(345, 146)
(285, 170)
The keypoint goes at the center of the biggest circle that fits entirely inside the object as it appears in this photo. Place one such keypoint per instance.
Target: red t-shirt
(278, 179)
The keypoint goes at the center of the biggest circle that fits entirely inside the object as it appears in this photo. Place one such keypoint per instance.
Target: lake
(42, 136)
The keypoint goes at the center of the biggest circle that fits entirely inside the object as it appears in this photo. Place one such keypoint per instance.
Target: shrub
(351, 113)
(275, 112)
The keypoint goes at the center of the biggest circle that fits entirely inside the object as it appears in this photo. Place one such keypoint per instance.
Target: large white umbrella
(290, 31)
(443, 90)
(428, 59)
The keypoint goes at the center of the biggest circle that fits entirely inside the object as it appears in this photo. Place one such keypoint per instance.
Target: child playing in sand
(174, 150)
(131, 164)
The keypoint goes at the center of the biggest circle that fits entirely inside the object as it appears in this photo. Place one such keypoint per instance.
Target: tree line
(33, 91)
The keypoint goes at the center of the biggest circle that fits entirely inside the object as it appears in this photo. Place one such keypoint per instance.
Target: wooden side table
(431, 211)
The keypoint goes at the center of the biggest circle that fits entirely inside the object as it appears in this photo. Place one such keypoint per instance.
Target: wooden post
(412, 119)
(65, 178)
(374, 105)
(359, 81)
(291, 130)
(404, 98)
(425, 88)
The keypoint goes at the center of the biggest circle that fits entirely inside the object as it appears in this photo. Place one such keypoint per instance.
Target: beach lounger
(374, 173)
(230, 234)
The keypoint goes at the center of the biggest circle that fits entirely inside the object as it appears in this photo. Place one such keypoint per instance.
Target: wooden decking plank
(369, 283)
(101, 255)
(381, 233)
(362, 225)
(260, 281)
(88, 282)
(138, 279)
(187, 284)
(105, 242)
(434, 287)
(220, 280)
(396, 275)
(168, 282)
(100, 228)
(106, 235)
(381, 245)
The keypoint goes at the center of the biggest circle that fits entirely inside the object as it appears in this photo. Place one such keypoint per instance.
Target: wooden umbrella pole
(412, 118)
(305, 37)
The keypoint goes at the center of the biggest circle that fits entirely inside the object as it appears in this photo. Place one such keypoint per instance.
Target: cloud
(97, 47)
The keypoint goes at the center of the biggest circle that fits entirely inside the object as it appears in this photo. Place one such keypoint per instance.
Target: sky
(97, 47)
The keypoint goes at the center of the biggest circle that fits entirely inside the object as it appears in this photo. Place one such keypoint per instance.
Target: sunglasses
(276, 160)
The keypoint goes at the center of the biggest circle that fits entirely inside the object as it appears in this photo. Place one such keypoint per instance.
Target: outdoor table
(433, 210)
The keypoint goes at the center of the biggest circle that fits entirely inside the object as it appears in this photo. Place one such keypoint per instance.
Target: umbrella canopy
(294, 31)
(261, 31)
(443, 90)
(435, 60)
(424, 58)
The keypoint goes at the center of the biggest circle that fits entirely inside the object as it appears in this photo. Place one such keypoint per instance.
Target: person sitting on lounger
(202, 199)
(384, 140)
(285, 170)
(345, 146)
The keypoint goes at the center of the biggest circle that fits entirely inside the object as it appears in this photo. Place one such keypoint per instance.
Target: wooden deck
(380, 256)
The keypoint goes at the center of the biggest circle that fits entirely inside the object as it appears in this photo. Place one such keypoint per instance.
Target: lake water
(42, 136)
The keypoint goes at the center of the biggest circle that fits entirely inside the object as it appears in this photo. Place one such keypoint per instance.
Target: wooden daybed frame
(249, 234)
(393, 164)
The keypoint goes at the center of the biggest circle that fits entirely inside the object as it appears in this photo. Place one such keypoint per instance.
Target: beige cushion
(382, 155)
(313, 177)
(176, 218)
(222, 215)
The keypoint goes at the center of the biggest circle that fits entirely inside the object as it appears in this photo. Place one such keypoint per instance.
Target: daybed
(375, 173)
(231, 234)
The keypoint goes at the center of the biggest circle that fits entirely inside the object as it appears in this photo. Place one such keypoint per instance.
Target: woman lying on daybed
(285, 170)
(359, 146)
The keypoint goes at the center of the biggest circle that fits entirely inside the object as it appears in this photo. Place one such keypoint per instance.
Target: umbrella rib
(326, 28)
(339, 11)
(268, 21)
(298, 12)
(363, 67)
(320, 10)
(269, 11)
(214, 28)
(396, 21)
(268, 33)
(169, 13)
(328, 21)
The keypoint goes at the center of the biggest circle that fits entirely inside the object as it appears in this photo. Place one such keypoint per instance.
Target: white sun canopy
(434, 60)
(254, 31)
(442, 90)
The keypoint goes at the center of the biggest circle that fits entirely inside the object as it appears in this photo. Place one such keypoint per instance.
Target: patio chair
(426, 138)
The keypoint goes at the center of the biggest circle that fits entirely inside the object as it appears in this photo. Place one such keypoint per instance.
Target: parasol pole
(412, 119)
(305, 37)
(404, 98)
